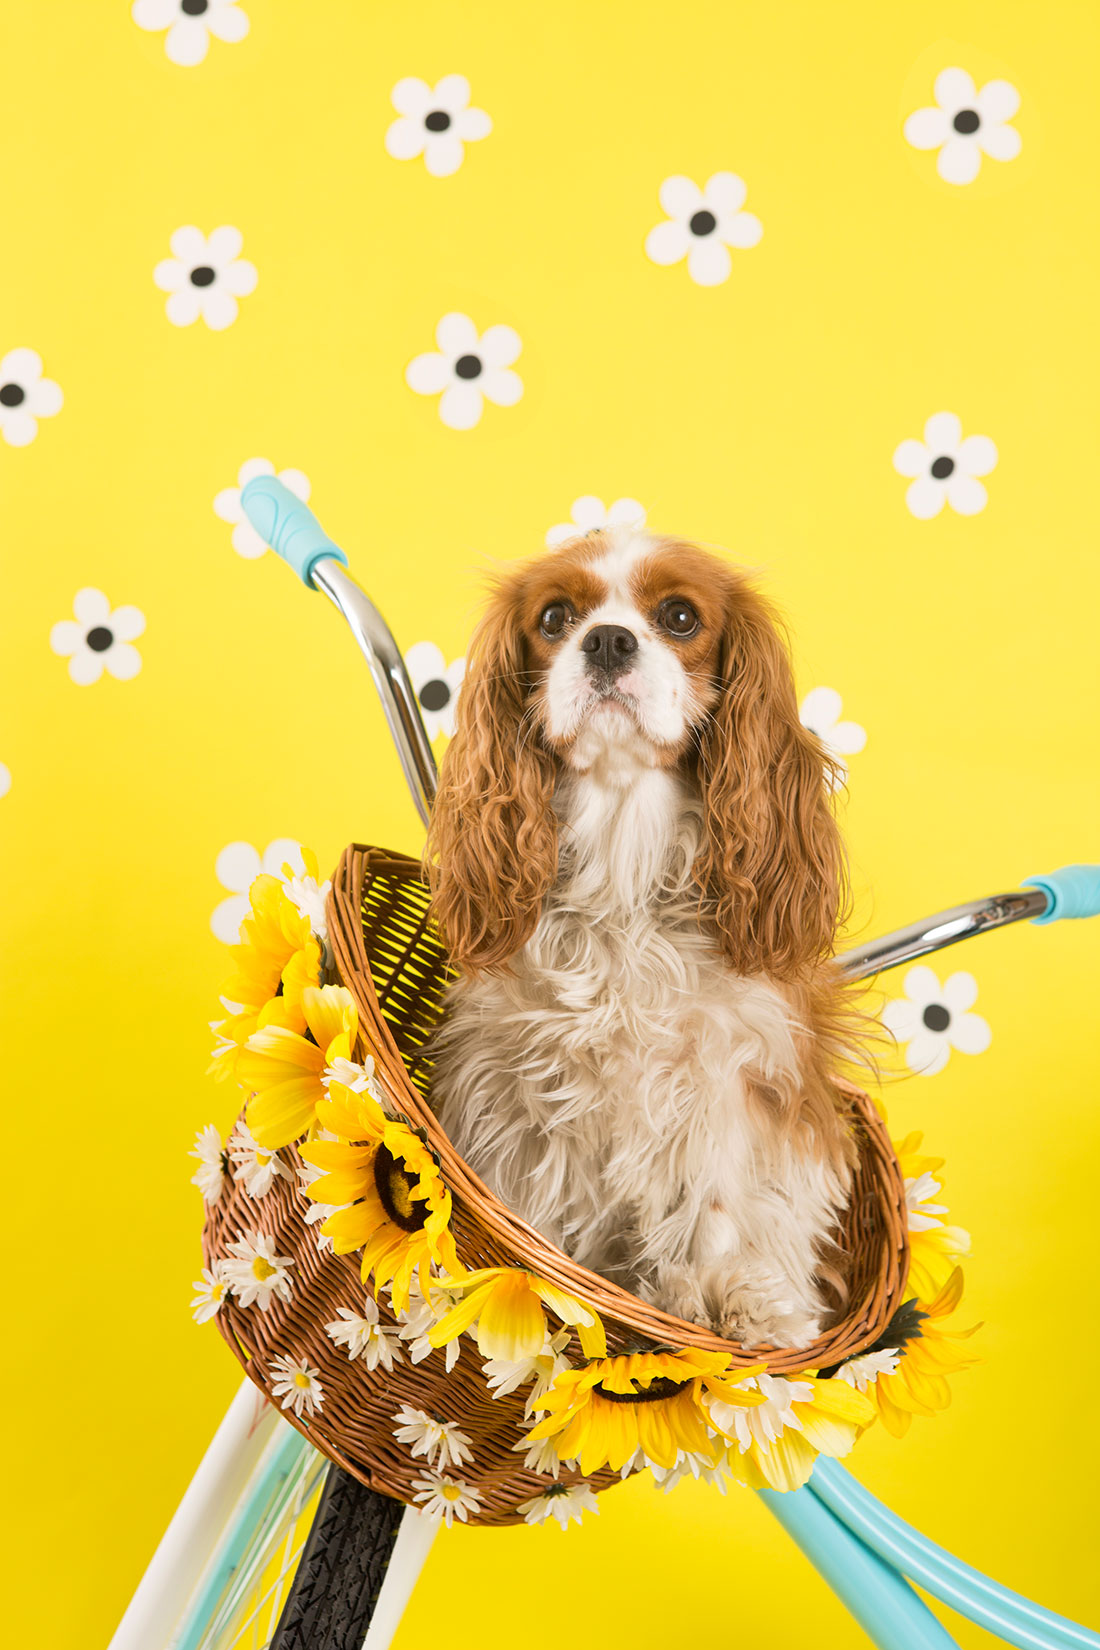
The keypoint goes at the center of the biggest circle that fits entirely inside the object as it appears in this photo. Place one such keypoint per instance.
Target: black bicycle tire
(340, 1574)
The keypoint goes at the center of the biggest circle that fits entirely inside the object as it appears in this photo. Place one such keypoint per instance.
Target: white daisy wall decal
(297, 1384)
(820, 712)
(99, 639)
(589, 515)
(25, 396)
(945, 468)
(205, 276)
(436, 684)
(190, 23)
(965, 124)
(702, 225)
(467, 370)
(435, 121)
(236, 868)
(227, 504)
(931, 1019)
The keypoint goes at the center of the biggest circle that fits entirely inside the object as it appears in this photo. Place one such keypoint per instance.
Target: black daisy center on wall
(967, 121)
(193, 8)
(437, 121)
(936, 1017)
(99, 638)
(942, 467)
(12, 395)
(702, 222)
(202, 275)
(468, 366)
(435, 695)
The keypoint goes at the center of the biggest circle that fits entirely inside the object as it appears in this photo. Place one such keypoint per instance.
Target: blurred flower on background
(820, 713)
(436, 684)
(205, 276)
(945, 467)
(227, 504)
(702, 225)
(467, 370)
(98, 639)
(236, 868)
(965, 124)
(25, 396)
(589, 515)
(435, 121)
(190, 23)
(932, 1019)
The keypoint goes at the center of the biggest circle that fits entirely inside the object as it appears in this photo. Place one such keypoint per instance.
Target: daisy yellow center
(450, 1492)
(301, 1379)
(262, 1269)
(263, 1159)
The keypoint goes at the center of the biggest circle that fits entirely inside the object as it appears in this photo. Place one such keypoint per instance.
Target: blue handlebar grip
(1074, 891)
(289, 526)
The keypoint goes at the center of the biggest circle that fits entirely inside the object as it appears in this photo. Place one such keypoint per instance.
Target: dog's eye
(554, 619)
(678, 617)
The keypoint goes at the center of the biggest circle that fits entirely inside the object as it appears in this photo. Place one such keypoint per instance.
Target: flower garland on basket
(377, 1191)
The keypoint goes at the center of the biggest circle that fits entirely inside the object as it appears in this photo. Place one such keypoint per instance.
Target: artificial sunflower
(398, 1209)
(798, 1418)
(934, 1248)
(507, 1304)
(284, 1069)
(918, 1383)
(652, 1402)
(277, 958)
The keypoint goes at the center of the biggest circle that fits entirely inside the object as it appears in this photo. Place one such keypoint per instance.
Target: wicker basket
(391, 959)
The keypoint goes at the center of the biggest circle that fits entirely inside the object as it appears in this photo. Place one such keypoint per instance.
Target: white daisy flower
(213, 1167)
(540, 1456)
(417, 1319)
(357, 1076)
(98, 638)
(205, 276)
(366, 1336)
(436, 684)
(25, 396)
(966, 124)
(932, 1019)
(297, 1385)
(689, 1465)
(820, 712)
(767, 1421)
(504, 1376)
(236, 868)
(467, 369)
(308, 897)
(227, 504)
(945, 468)
(924, 1216)
(702, 225)
(588, 515)
(441, 1443)
(863, 1371)
(448, 1498)
(560, 1501)
(435, 122)
(253, 1165)
(190, 23)
(211, 1292)
(256, 1272)
(318, 1213)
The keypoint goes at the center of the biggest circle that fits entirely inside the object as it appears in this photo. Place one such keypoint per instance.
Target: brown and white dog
(636, 868)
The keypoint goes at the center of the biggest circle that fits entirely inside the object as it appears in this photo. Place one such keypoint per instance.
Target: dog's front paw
(679, 1293)
(754, 1317)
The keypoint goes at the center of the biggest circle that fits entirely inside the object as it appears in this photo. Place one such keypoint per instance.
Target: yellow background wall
(761, 414)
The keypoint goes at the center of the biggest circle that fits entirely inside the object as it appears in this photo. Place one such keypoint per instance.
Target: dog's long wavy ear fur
(492, 848)
(773, 867)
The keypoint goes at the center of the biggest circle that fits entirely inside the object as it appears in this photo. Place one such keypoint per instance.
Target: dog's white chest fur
(601, 1088)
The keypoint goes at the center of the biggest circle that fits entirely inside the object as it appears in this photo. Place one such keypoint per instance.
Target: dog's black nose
(609, 647)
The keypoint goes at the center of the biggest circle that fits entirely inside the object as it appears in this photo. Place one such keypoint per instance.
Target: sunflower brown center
(394, 1185)
(659, 1387)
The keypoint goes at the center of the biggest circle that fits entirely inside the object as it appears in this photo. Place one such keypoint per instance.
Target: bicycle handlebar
(289, 526)
(1072, 891)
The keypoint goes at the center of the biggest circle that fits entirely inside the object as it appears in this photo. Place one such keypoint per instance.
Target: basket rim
(861, 1324)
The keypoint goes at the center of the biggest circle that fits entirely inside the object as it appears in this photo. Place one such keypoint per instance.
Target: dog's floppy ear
(492, 848)
(772, 866)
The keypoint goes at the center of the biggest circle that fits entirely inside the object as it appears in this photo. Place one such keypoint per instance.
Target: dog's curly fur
(639, 875)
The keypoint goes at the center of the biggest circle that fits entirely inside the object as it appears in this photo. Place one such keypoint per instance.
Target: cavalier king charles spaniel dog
(636, 869)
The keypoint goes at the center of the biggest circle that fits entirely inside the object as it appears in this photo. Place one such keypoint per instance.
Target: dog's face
(616, 653)
(624, 636)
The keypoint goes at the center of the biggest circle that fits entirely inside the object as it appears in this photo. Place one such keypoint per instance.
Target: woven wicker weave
(390, 958)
